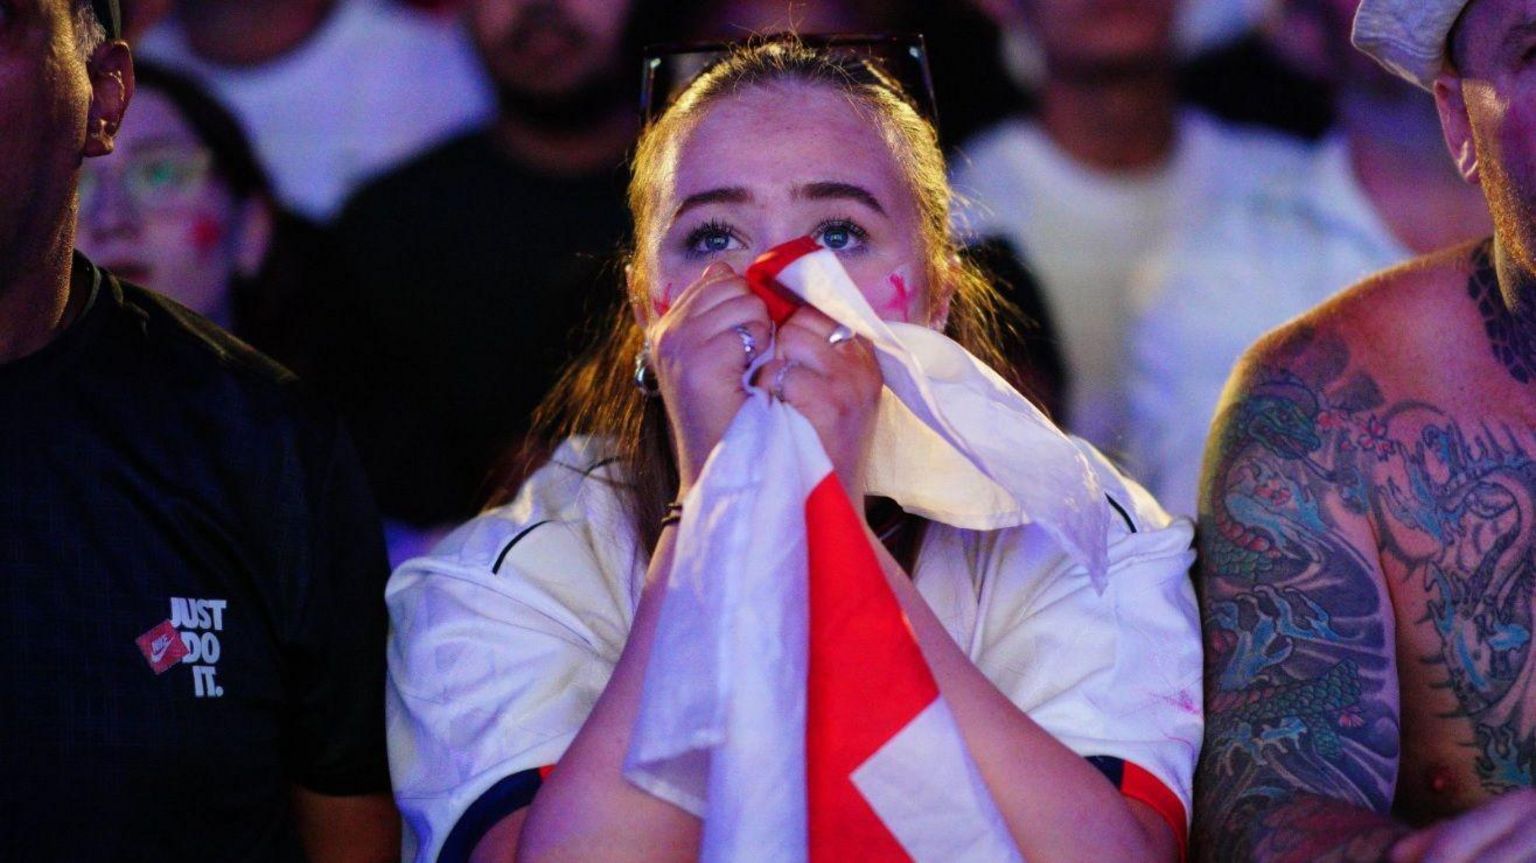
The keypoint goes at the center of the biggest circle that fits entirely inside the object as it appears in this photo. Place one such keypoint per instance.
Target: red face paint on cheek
(899, 306)
(661, 304)
(206, 234)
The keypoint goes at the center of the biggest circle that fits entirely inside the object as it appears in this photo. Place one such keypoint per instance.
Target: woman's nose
(110, 210)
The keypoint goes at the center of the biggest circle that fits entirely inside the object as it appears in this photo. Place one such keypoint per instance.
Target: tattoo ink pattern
(1512, 337)
(1476, 499)
(1300, 677)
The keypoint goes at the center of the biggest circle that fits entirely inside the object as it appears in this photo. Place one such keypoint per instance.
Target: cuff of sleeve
(371, 779)
(1137, 783)
(500, 800)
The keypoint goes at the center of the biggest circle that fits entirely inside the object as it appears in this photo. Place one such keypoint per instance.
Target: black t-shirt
(462, 284)
(191, 595)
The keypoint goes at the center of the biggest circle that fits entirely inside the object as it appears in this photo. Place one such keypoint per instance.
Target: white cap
(1407, 36)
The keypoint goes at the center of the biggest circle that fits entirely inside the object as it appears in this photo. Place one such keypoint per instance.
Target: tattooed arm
(1302, 712)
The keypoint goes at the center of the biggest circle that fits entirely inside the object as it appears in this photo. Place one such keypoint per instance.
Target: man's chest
(137, 610)
(1454, 509)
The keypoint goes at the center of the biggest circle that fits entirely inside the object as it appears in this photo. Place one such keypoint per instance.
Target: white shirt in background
(1258, 260)
(377, 83)
(1086, 232)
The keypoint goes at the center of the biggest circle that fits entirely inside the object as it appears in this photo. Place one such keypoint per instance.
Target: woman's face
(783, 161)
(155, 213)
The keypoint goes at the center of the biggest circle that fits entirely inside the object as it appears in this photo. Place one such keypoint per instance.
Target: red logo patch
(161, 646)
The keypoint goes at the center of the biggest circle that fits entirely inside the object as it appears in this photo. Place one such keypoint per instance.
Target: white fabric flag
(786, 702)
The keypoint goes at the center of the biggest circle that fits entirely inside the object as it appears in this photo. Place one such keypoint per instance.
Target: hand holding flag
(787, 703)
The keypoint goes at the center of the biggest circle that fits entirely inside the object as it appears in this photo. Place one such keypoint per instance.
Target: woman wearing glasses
(521, 643)
(184, 208)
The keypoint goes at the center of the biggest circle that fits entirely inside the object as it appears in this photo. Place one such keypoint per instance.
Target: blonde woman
(522, 641)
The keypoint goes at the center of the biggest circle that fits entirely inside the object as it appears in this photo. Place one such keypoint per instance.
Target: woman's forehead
(156, 121)
(785, 133)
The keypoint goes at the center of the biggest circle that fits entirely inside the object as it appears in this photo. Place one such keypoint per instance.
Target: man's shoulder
(195, 338)
(1387, 321)
(192, 355)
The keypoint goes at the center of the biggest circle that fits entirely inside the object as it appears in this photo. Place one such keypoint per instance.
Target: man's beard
(589, 104)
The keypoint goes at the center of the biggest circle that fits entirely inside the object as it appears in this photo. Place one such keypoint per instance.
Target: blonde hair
(596, 396)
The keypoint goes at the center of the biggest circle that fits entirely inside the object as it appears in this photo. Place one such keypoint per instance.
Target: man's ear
(1451, 102)
(111, 72)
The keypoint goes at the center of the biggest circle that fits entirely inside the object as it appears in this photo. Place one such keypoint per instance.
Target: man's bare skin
(1368, 531)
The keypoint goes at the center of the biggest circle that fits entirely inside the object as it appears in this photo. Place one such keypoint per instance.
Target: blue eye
(840, 235)
(712, 238)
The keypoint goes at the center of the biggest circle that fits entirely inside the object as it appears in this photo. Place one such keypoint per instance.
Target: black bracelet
(674, 514)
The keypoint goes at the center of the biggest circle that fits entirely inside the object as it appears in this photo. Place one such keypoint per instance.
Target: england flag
(787, 702)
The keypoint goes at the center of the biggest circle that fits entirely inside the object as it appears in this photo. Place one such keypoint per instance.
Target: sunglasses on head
(669, 68)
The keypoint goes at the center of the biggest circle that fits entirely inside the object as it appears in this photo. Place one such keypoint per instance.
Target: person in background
(191, 573)
(1366, 551)
(1374, 192)
(523, 639)
(1107, 172)
(462, 280)
(331, 91)
(184, 208)
(139, 16)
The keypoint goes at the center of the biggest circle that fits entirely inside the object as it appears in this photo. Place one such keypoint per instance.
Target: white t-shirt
(1085, 232)
(376, 84)
(1252, 263)
(505, 636)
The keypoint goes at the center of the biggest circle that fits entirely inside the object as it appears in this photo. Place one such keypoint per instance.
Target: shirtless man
(1368, 517)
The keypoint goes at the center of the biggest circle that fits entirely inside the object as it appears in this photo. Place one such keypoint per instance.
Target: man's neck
(568, 152)
(36, 300)
(1398, 156)
(1517, 284)
(249, 32)
(1120, 122)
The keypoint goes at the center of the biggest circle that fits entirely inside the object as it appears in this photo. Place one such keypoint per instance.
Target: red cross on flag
(787, 702)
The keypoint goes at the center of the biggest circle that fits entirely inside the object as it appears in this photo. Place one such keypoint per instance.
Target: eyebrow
(723, 195)
(819, 191)
(167, 142)
(840, 191)
(1516, 35)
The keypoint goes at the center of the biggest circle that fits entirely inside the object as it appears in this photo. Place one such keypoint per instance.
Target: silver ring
(778, 379)
(748, 342)
(840, 335)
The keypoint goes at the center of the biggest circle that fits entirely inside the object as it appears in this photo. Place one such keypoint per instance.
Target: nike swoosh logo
(158, 649)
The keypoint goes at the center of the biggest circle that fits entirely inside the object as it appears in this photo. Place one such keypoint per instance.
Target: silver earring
(645, 379)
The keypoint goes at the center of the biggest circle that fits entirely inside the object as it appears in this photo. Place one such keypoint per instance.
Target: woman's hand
(835, 386)
(699, 355)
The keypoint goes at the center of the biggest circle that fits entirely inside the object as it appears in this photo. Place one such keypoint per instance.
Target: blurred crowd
(422, 210)
(419, 206)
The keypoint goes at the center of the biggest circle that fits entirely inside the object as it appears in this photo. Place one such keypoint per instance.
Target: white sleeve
(500, 643)
(1115, 677)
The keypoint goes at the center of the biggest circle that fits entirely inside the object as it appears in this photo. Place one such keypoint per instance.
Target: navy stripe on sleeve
(1123, 514)
(498, 801)
(501, 558)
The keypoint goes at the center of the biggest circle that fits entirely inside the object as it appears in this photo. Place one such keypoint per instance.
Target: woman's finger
(811, 346)
(717, 283)
(813, 320)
